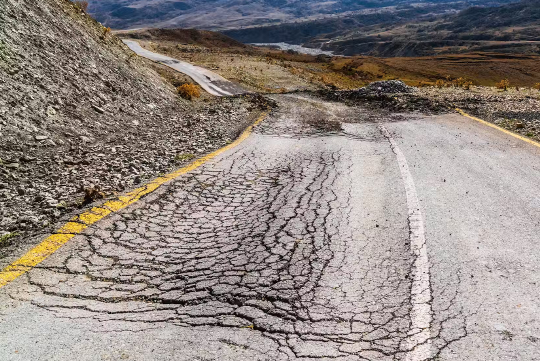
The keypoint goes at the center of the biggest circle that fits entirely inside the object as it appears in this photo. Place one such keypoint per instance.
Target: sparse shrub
(5, 240)
(467, 85)
(503, 85)
(537, 86)
(83, 5)
(439, 83)
(184, 157)
(106, 31)
(92, 194)
(459, 82)
(189, 91)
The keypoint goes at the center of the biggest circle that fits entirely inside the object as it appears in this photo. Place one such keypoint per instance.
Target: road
(409, 238)
(211, 82)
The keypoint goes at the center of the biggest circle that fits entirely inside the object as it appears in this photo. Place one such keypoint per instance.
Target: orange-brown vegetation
(262, 67)
(484, 69)
(503, 84)
(189, 91)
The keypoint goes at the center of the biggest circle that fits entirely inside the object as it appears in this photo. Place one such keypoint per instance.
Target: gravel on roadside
(515, 110)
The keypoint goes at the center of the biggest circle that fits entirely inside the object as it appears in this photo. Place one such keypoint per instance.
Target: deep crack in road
(304, 242)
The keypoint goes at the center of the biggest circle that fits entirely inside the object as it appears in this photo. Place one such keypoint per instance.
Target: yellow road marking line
(80, 222)
(530, 141)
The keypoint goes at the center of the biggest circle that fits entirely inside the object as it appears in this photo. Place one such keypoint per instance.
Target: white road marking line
(418, 346)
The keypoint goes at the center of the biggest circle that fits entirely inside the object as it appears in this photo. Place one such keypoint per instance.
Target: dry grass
(537, 86)
(6, 239)
(189, 91)
(483, 69)
(184, 157)
(273, 71)
(503, 85)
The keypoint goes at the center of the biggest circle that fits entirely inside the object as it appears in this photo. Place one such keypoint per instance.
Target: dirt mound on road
(391, 95)
(388, 87)
(78, 110)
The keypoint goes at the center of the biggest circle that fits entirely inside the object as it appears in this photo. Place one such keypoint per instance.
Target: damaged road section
(295, 245)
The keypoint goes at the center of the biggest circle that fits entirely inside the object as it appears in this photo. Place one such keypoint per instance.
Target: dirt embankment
(79, 111)
(209, 39)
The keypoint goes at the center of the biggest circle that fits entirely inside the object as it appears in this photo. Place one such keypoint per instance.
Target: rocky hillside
(425, 29)
(79, 111)
(510, 28)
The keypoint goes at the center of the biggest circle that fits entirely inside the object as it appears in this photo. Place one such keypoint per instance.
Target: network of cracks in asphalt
(264, 244)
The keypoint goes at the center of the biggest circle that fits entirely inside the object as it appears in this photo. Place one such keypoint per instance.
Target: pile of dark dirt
(81, 114)
(388, 87)
(392, 95)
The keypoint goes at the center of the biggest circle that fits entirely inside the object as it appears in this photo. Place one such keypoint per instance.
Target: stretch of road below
(414, 239)
(211, 82)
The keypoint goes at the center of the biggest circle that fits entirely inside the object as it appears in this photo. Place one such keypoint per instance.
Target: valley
(414, 31)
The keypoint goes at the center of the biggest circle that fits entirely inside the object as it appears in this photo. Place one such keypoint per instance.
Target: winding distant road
(208, 80)
(410, 238)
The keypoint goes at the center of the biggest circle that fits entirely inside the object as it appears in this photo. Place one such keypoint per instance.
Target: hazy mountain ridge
(414, 31)
(299, 33)
(230, 14)
(511, 28)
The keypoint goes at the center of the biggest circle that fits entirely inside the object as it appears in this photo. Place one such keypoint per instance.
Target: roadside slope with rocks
(79, 111)
(516, 109)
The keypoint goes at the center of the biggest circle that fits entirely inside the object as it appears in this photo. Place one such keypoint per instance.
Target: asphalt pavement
(213, 83)
(395, 238)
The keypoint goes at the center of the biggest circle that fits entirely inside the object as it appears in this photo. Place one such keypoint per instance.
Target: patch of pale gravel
(515, 110)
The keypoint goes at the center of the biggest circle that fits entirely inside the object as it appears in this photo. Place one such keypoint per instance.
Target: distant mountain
(510, 28)
(333, 28)
(406, 30)
(234, 14)
(524, 13)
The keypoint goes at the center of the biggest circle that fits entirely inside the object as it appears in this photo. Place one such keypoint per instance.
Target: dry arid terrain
(441, 83)
(270, 70)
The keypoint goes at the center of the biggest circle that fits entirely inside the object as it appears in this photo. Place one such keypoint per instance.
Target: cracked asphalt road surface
(391, 237)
